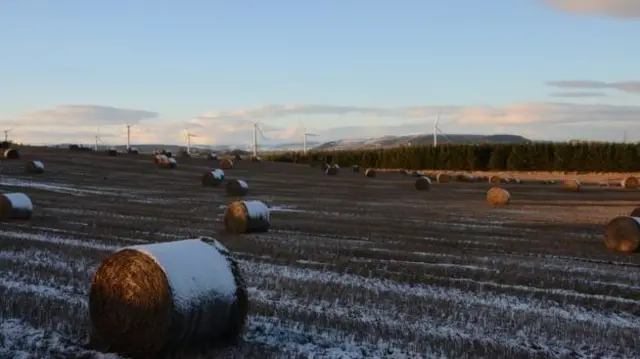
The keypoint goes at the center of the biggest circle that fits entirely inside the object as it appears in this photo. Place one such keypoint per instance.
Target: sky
(544, 69)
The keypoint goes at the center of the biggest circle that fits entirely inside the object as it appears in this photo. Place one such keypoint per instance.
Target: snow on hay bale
(370, 172)
(247, 217)
(237, 188)
(497, 196)
(495, 180)
(572, 185)
(630, 182)
(15, 206)
(172, 162)
(443, 178)
(423, 183)
(151, 299)
(332, 170)
(34, 167)
(226, 164)
(622, 234)
(213, 178)
(11, 154)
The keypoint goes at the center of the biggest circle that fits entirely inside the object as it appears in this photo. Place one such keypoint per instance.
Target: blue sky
(376, 67)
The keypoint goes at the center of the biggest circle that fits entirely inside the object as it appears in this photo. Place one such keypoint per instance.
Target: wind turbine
(436, 131)
(97, 138)
(256, 130)
(305, 135)
(189, 135)
(128, 137)
(6, 134)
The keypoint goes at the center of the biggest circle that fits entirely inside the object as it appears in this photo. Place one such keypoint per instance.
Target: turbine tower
(189, 136)
(256, 130)
(437, 131)
(97, 138)
(305, 135)
(6, 135)
(128, 137)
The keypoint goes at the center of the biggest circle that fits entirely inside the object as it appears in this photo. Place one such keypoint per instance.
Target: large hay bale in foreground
(247, 217)
(622, 234)
(572, 185)
(630, 182)
(332, 170)
(11, 154)
(443, 178)
(226, 164)
(237, 188)
(423, 183)
(15, 206)
(152, 299)
(213, 178)
(497, 196)
(370, 172)
(35, 167)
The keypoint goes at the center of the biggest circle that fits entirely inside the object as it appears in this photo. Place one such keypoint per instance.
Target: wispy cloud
(615, 8)
(85, 115)
(624, 86)
(578, 94)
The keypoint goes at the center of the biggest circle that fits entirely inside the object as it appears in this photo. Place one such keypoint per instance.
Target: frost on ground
(363, 270)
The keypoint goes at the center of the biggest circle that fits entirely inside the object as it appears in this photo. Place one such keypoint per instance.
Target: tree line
(586, 157)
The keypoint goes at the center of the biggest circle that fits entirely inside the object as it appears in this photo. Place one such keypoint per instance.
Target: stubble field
(353, 267)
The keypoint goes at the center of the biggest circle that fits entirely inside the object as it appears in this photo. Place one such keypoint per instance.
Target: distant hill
(419, 140)
(344, 144)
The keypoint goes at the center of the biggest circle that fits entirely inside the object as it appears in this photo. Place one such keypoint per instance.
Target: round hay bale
(226, 164)
(572, 185)
(161, 160)
(497, 196)
(152, 299)
(213, 178)
(443, 178)
(622, 234)
(11, 154)
(356, 168)
(15, 206)
(237, 188)
(332, 170)
(495, 180)
(247, 217)
(423, 183)
(630, 182)
(416, 174)
(35, 167)
(370, 172)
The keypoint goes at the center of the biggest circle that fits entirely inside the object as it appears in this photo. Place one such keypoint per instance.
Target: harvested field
(350, 268)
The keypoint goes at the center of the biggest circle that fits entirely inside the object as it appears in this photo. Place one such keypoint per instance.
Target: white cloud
(613, 8)
(280, 123)
(624, 86)
(578, 94)
(85, 115)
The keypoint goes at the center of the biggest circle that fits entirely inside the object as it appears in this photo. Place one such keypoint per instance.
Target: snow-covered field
(349, 270)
